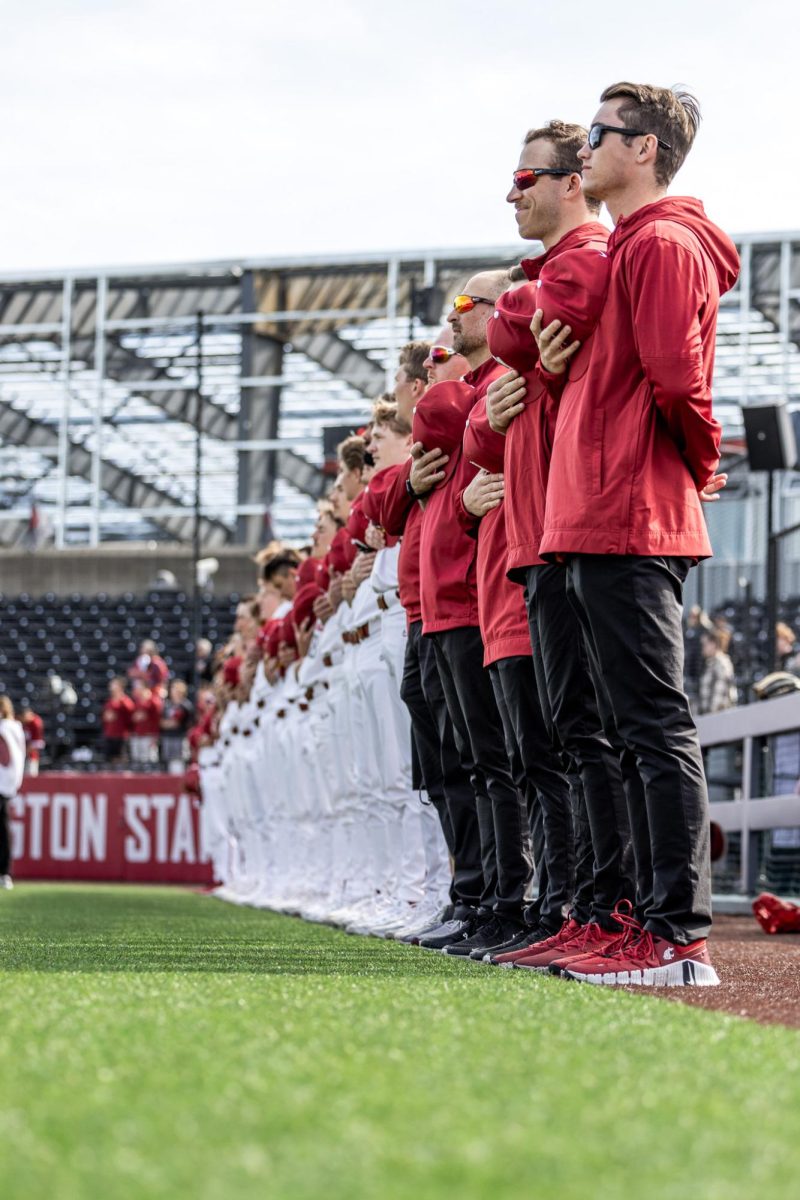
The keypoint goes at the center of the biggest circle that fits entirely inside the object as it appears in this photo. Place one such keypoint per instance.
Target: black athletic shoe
(493, 939)
(485, 927)
(526, 937)
(450, 931)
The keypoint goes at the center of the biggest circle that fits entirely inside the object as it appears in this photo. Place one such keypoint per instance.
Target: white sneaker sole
(687, 973)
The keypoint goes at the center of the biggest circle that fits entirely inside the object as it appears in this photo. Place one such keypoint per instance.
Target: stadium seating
(86, 640)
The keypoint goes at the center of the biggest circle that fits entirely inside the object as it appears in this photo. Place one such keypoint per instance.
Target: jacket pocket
(598, 427)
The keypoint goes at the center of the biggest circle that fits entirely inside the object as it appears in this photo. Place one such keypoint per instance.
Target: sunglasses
(596, 135)
(440, 354)
(464, 304)
(526, 177)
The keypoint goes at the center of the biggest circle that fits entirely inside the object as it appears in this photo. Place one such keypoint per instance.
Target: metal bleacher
(106, 377)
(100, 395)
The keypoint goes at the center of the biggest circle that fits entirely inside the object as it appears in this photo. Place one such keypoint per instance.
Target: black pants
(603, 857)
(481, 743)
(631, 609)
(5, 837)
(440, 770)
(538, 773)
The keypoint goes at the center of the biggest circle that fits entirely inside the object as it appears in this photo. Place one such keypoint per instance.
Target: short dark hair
(350, 452)
(672, 114)
(411, 359)
(565, 141)
(280, 562)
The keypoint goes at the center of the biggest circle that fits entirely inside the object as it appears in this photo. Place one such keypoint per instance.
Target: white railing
(752, 812)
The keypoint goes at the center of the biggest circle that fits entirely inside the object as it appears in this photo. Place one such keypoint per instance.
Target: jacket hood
(440, 417)
(686, 211)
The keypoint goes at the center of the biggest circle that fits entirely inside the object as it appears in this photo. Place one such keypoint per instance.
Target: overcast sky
(166, 130)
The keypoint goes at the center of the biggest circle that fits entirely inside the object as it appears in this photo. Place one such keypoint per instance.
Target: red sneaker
(775, 915)
(567, 931)
(592, 940)
(648, 961)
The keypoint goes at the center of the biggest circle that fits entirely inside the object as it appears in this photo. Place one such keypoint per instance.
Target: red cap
(481, 444)
(230, 671)
(357, 521)
(508, 330)
(375, 493)
(287, 632)
(273, 640)
(303, 606)
(191, 779)
(342, 552)
(307, 571)
(322, 578)
(440, 418)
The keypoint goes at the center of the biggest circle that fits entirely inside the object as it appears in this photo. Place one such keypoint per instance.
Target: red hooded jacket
(448, 552)
(635, 436)
(569, 281)
(401, 516)
(501, 605)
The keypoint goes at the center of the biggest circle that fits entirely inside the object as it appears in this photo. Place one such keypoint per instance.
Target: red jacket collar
(588, 232)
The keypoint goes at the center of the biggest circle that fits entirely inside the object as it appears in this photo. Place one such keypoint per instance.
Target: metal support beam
(63, 427)
(101, 301)
(259, 418)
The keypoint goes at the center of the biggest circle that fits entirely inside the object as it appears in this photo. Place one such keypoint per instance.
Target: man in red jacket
(571, 276)
(450, 617)
(439, 764)
(635, 452)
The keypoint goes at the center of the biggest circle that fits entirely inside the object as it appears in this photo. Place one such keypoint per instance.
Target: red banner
(126, 828)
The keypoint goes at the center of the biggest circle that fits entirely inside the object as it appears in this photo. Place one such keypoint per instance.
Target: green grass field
(157, 1043)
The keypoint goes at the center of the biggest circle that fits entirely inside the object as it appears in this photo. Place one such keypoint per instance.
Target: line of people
(492, 616)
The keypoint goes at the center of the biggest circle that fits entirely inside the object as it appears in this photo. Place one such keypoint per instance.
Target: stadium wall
(122, 828)
(115, 569)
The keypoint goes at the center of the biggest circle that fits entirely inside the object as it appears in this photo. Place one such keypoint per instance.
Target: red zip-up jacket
(401, 516)
(449, 546)
(635, 436)
(447, 552)
(501, 605)
(569, 281)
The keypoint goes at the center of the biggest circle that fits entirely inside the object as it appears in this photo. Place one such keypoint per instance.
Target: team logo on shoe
(668, 953)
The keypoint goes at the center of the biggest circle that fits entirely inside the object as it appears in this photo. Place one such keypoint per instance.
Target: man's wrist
(410, 489)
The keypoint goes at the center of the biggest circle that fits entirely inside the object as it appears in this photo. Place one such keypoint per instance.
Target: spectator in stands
(203, 661)
(717, 687)
(145, 724)
(12, 768)
(697, 621)
(150, 667)
(176, 721)
(117, 721)
(787, 656)
(33, 728)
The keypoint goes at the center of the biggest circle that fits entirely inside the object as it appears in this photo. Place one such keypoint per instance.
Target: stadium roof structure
(106, 375)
